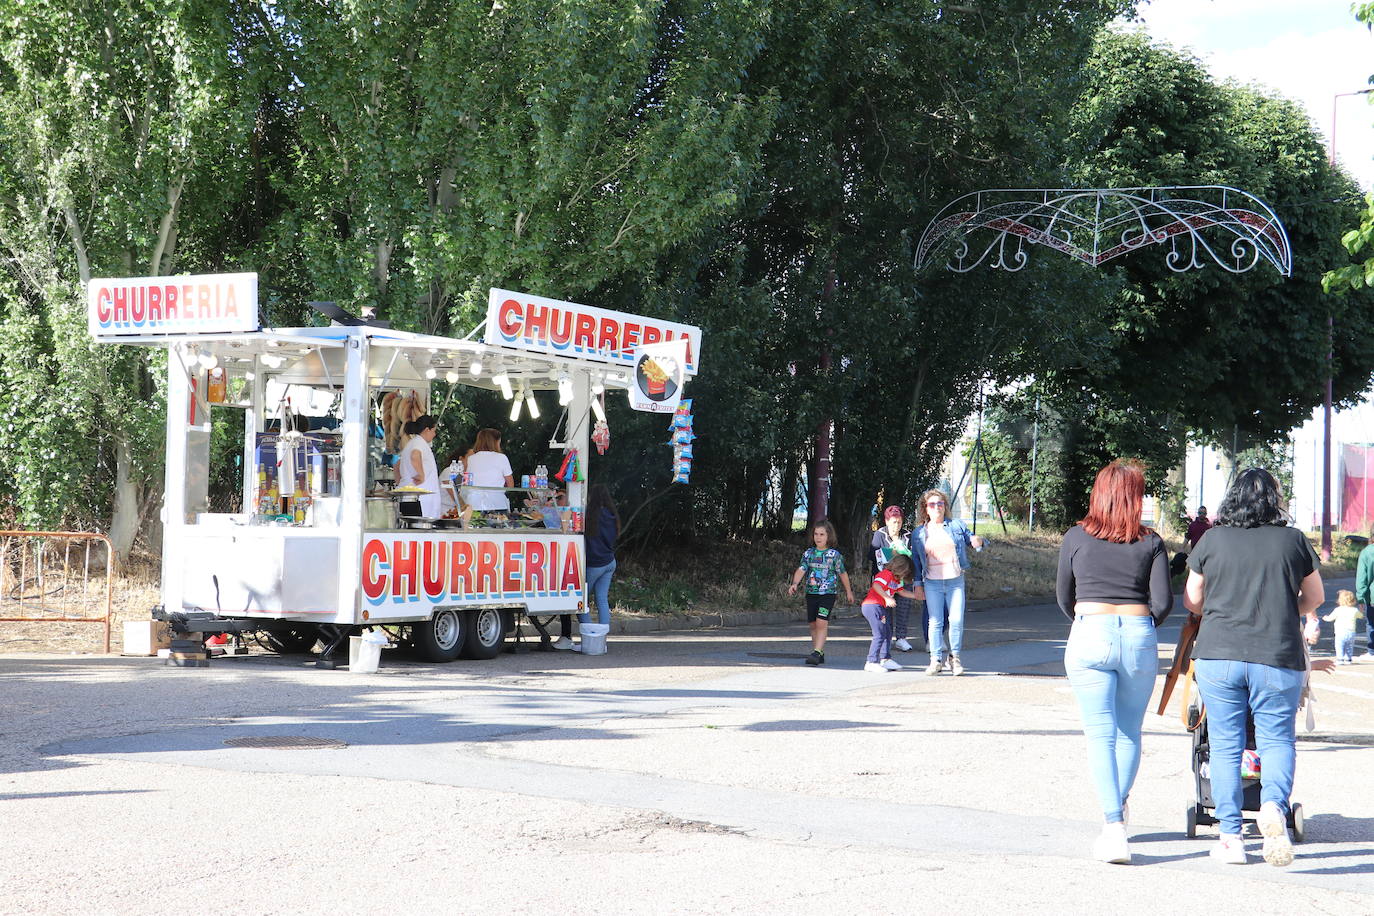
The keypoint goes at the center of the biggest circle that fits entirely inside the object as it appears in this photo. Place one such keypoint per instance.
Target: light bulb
(529, 402)
(515, 409)
(451, 377)
(503, 382)
(207, 360)
(250, 375)
(565, 391)
(272, 361)
(475, 369)
(431, 372)
(599, 385)
(598, 409)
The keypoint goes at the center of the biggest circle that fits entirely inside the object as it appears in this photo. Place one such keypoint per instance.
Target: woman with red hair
(1114, 585)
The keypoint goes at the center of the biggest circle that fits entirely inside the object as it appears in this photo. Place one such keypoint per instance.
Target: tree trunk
(124, 523)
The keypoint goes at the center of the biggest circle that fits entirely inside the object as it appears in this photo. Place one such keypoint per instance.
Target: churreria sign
(401, 570)
(552, 326)
(209, 303)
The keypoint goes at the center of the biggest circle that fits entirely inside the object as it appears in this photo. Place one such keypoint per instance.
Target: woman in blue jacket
(940, 547)
(602, 529)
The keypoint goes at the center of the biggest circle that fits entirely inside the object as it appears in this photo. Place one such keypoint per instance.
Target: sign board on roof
(143, 306)
(542, 325)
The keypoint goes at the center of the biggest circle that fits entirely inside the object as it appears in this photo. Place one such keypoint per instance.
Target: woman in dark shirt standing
(603, 527)
(1114, 584)
(1251, 579)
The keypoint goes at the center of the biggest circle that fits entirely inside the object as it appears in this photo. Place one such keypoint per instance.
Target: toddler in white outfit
(1344, 616)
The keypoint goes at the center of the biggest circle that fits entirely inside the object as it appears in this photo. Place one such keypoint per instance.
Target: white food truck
(317, 548)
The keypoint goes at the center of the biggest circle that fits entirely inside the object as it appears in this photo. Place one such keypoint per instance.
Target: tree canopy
(759, 169)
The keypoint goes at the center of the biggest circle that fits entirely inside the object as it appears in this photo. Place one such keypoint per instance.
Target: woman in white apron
(417, 468)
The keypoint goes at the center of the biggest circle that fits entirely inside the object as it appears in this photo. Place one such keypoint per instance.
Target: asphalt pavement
(692, 771)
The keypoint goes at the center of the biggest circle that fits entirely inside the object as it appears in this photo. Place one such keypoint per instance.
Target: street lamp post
(1330, 360)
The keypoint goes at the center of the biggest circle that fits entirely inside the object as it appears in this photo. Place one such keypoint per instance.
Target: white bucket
(594, 638)
(363, 657)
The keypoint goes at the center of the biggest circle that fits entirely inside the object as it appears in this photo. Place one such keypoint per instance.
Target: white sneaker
(956, 666)
(1112, 846)
(1273, 825)
(562, 642)
(889, 665)
(874, 666)
(935, 666)
(902, 645)
(1229, 849)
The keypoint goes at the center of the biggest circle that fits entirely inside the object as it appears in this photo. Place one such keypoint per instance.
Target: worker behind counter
(417, 468)
(488, 467)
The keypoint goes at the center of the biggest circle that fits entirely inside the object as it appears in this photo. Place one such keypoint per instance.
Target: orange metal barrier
(50, 580)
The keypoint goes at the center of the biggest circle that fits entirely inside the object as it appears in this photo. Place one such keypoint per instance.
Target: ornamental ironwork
(1194, 226)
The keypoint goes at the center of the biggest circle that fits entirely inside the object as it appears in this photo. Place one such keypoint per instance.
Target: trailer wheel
(486, 633)
(294, 641)
(440, 639)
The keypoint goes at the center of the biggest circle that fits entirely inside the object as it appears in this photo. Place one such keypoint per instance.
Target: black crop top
(1091, 569)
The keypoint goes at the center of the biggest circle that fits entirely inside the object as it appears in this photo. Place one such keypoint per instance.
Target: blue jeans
(1345, 644)
(1112, 661)
(599, 585)
(945, 598)
(880, 620)
(1271, 695)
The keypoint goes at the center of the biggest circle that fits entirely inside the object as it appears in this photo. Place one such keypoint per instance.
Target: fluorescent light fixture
(565, 390)
(599, 385)
(515, 409)
(451, 377)
(598, 409)
(529, 402)
(431, 372)
(475, 369)
(272, 361)
(503, 382)
(207, 360)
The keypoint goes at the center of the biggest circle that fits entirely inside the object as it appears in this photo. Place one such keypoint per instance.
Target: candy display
(681, 441)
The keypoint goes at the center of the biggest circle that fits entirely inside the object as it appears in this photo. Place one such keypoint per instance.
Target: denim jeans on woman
(945, 600)
(1270, 694)
(599, 585)
(1112, 661)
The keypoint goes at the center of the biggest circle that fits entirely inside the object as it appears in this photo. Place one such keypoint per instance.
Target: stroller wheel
(1190, 822)
(1298, 822)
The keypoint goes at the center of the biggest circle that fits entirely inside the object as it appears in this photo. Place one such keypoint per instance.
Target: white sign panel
(656, 382)
(542, 325)
(155, 306)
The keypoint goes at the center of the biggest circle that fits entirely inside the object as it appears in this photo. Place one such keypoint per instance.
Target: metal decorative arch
(1198, 224)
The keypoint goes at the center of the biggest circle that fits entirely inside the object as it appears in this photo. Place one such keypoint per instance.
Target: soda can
(525, 481)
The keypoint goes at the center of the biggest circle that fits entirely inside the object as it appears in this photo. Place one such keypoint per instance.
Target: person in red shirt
(886, 584)
(1197, 527)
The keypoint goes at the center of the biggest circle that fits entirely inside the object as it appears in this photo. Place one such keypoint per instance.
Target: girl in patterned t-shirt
(823, 567)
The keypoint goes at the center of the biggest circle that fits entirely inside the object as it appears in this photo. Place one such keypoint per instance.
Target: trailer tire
(440, 638)
(486, 633)
(295, 641)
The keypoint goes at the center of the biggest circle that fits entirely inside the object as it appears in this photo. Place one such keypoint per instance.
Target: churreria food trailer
(314, 550)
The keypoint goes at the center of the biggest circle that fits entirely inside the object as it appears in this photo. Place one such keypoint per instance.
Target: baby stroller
(1200, 812)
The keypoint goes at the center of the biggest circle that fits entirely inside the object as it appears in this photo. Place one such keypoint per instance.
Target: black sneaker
(815, 658)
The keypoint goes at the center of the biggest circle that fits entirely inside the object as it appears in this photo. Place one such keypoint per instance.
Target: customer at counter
(489, 468)
(416, 467)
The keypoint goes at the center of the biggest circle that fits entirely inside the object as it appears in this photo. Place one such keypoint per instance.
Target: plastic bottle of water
(541, 477)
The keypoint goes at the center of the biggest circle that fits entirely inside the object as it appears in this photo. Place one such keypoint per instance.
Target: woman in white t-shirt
(489, 468)
(416, 467)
